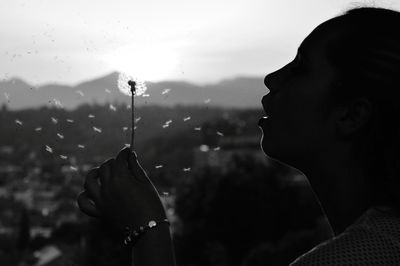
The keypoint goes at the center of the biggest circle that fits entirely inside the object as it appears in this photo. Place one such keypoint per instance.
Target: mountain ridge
(237, 92)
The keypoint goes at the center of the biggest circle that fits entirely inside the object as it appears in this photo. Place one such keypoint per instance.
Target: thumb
(135, 167)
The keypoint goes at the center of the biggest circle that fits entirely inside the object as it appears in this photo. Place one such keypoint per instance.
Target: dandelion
(220, 134)
(49, 149)
(19, 122)
(70, 121)
(207, 100)
(80, 93)
(113, 108)
(60, 136)
(165, 91)
(187, 169)
(197, 128)
(54, 120)
(125, 88)
(97, 129)
(186, 119)
(91, 116)
(80, 146)
(64, 157)
(159, 166)
(134, 87)
(38, 129)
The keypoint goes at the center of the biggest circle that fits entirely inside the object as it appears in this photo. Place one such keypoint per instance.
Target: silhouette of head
(341, 94)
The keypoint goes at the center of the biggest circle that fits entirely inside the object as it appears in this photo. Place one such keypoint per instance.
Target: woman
(333, 114)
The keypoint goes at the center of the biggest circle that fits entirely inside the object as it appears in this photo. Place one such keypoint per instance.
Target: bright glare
(147, 62)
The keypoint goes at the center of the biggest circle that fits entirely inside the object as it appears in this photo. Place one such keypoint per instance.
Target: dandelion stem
(133, 90)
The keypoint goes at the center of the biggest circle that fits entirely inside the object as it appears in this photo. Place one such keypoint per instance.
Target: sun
(146, 62)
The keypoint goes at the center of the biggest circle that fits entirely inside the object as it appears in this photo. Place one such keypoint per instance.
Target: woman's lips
(262, 120)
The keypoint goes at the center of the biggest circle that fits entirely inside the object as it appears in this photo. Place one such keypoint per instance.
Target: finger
(122, 158)
(135, 167)
(87, 206)
(105, 173)
(92, 185)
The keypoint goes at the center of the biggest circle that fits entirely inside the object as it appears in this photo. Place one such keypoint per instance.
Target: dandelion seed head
(159, 166)
(73, 168)
(165, 91)
(125, 88)
(113, 108)
(220, 134)
(137, 119)
(60, 136)
(187, 169)
(18, 122)
(217, 148)
(186, 119)
(38, 129)
(64, 157)
(70, 121)
(125, 128)
(197, 128)
(57, 103)
(54, 120)
(97, 129)
(80, 146)
(49, 149)
(91, 116)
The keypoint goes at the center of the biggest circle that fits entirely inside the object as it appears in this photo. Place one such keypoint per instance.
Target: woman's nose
(269, 82)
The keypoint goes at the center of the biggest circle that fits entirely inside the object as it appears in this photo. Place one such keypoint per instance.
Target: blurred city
(228, 203)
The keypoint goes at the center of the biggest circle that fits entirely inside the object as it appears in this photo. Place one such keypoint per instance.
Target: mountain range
(239, 92)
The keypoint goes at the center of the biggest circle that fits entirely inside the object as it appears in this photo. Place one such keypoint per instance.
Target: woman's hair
(365, 56)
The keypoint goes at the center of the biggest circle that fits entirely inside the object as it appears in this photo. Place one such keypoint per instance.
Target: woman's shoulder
(374, 239)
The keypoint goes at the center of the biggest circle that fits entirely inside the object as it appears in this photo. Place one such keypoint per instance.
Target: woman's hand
(120, 192)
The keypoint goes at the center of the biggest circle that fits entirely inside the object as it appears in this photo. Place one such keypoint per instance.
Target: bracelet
(133, 234)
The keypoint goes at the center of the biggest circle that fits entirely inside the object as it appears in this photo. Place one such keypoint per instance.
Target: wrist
(134, 233)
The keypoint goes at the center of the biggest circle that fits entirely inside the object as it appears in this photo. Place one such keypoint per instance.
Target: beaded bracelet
(133, 234)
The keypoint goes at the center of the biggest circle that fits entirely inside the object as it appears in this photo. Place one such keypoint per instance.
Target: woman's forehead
(322, 35)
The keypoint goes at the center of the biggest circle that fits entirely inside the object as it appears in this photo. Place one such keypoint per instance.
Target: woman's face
(296, 129)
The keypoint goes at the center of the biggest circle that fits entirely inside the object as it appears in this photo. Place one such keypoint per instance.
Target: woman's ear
(352, 117)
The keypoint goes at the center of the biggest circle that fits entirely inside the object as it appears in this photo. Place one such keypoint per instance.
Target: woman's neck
(341, 189)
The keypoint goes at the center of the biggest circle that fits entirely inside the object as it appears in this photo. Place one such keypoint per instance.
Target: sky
(67, 42)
